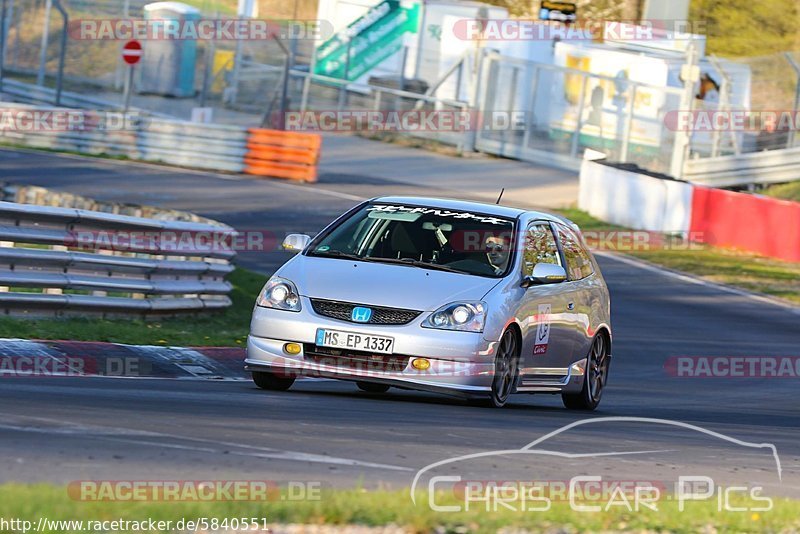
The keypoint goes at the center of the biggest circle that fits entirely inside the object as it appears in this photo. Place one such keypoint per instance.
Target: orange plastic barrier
(766, 226)
(278, 154)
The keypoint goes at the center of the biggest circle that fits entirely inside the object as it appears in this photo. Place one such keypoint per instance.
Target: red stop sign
(132, 52)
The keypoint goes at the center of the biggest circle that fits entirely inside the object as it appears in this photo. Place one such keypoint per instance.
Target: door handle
(571, 306)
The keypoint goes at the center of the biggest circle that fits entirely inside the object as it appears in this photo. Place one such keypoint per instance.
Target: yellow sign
(223, 64)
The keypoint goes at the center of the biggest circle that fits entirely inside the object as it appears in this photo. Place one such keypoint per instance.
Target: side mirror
(545, 273)
(295, 242)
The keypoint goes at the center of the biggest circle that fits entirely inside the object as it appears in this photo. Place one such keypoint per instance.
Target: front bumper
(462, 363)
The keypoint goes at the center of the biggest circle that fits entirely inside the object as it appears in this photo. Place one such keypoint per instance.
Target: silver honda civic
(463, 298)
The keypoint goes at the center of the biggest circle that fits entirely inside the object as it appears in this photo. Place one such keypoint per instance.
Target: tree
(587, 9)
(737, 28)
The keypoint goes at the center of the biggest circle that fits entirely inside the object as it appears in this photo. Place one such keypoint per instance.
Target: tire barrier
(275, 153)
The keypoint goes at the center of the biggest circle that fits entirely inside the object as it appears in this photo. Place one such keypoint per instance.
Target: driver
(497, 252)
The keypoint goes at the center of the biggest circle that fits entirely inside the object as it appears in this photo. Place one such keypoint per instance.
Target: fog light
(292, 348)
(420, 364)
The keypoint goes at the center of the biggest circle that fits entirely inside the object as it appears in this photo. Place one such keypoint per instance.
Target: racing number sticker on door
(542, 329)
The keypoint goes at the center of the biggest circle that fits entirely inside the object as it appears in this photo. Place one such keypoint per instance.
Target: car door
(579, 290)
(546, 343)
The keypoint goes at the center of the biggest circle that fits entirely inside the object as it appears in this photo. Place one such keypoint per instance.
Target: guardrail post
(477, 97)
(573, 152)
(48, 7)
(680, 148)
(63, 52)
(306, 89)
(343, 88)
(791, 137)
(526, 136)
(626, 135)
(3, 13)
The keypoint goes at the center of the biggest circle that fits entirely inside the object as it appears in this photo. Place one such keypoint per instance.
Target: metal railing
(62, 261)
(565, 110)
(28, 93)
(183, 143)
(322, 93)
(767, 167)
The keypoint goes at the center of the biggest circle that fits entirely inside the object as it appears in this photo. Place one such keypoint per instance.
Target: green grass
(747, 271)
(380, 508)
(586, 221)
(228, 328)
(740, 269)
(788, 191)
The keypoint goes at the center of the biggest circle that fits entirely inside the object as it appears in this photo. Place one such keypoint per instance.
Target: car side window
(579, 263)
(539, 247)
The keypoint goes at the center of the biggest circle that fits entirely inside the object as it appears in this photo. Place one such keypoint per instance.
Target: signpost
(367, 41)
(566, 12)
(131, 54)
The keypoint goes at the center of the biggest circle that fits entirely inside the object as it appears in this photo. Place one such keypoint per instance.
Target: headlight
(279, 293)
(465, 316)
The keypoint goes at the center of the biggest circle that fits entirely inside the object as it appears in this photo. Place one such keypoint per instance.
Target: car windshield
(422, 236)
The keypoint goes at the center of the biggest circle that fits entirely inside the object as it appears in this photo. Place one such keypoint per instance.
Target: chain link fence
(558, 112)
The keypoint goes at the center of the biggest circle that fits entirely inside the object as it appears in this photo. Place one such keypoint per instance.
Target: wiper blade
(401, 261)
(416, 263)
(338, 254)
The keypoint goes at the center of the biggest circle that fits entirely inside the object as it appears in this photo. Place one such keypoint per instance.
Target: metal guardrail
(36, 94)
(767, 167)
(58, 261)
(182, 143)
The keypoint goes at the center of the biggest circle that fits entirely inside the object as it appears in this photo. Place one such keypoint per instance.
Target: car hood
(380, 284)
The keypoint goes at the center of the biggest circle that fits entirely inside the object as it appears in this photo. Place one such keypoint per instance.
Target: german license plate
(354, 341)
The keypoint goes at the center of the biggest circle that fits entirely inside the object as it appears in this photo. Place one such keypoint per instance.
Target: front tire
(595, 379)
(371, 387)
(271, 381)
(506, 370)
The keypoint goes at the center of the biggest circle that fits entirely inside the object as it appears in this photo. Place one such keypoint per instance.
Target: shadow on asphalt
(400, 396)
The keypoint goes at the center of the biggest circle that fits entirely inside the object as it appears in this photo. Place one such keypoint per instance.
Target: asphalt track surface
(64, 429)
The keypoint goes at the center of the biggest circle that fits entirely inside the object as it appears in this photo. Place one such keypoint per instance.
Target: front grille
(380, 315)
(361, 361)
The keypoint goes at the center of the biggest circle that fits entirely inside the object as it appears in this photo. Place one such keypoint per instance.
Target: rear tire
(371, 387)
(271, 381)
(594, 380)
